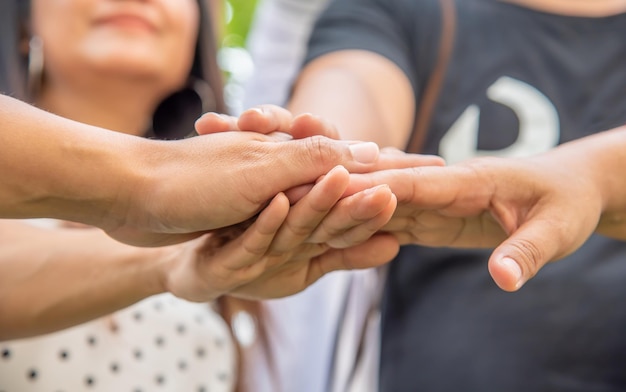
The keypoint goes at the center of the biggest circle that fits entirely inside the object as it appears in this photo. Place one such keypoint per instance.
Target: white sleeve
(277, 43)
(314, 337)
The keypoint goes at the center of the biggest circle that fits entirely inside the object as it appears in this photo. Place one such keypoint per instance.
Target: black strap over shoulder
(433, 86)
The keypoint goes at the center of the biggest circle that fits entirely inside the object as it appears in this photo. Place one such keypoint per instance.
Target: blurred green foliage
(238, 14)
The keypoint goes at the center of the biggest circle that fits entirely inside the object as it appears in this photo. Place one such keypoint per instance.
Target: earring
(204, 92)
(175, 116)
(35, 65)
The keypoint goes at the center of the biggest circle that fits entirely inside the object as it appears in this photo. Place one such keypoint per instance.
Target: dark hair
(175, 116)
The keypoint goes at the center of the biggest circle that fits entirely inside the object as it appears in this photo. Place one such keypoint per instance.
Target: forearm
(54, 167)
(51, 279)
(340, 88)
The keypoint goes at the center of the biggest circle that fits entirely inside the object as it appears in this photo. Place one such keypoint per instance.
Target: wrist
(133, 168)
(594, 161)
(609, 157)
(96, 183)
(59, 168)
(599, 157)
(149, 266)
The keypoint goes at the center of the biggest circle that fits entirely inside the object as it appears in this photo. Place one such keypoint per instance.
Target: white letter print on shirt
(538, 122)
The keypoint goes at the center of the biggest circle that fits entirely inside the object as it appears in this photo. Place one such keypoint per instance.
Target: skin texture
(516, 205)
(168, 196)
(532, 211)
(573, 192)
(270, 251)
(113, 203)
(116, 54)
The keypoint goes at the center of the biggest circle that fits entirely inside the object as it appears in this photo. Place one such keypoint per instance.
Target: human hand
(267, 119)
(286, 249)
(533, 210)
(187, 187)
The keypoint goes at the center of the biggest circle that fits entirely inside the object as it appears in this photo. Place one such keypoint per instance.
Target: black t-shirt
(10, 75)
(519, 82)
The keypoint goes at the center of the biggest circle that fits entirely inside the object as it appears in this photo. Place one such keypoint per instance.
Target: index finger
(426, 187)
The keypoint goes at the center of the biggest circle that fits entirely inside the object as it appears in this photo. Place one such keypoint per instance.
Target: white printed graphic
(538, 124)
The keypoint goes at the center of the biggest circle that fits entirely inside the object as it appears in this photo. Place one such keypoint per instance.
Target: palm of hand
(287, 248)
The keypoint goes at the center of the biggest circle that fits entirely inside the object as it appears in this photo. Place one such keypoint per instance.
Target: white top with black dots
(159, 344)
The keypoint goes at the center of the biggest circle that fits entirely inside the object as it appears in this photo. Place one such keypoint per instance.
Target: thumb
(214, 123)
(299, 162)
(318, 154)
(524, 253)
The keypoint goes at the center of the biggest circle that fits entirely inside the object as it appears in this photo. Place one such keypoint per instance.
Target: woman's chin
(128, 67)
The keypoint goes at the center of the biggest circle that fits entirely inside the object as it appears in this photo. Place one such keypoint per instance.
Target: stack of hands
(263, 205)
(532, 211)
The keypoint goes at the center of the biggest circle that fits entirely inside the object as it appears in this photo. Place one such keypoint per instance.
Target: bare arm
(53, 167)
(533, 210)
(51, 279)
(604, 156)
(54, 278)
(482, 202)
(148, 192)
(364, 94)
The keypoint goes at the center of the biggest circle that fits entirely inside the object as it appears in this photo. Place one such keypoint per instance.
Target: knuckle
(321, 149)
(530, 256)
(333, 232)
(300, 230)
(255, 249)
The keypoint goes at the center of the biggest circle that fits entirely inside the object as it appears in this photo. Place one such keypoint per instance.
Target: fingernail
(514, 270)
(258, 110)
(364, 152)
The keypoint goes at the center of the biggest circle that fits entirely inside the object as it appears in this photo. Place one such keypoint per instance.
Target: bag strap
(428, 101)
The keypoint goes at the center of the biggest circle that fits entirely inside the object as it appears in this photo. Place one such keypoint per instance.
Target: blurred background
(234, 58)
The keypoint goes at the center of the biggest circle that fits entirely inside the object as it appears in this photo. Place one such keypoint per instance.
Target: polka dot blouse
(160, 344)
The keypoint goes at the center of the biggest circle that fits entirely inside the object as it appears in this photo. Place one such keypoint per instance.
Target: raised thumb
(523, 254)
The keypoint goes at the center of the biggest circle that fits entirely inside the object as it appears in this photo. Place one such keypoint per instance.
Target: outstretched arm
(148, 192)
(532, 210)
(74, 275)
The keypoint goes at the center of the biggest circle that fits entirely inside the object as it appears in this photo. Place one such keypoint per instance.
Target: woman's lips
(127, 21)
